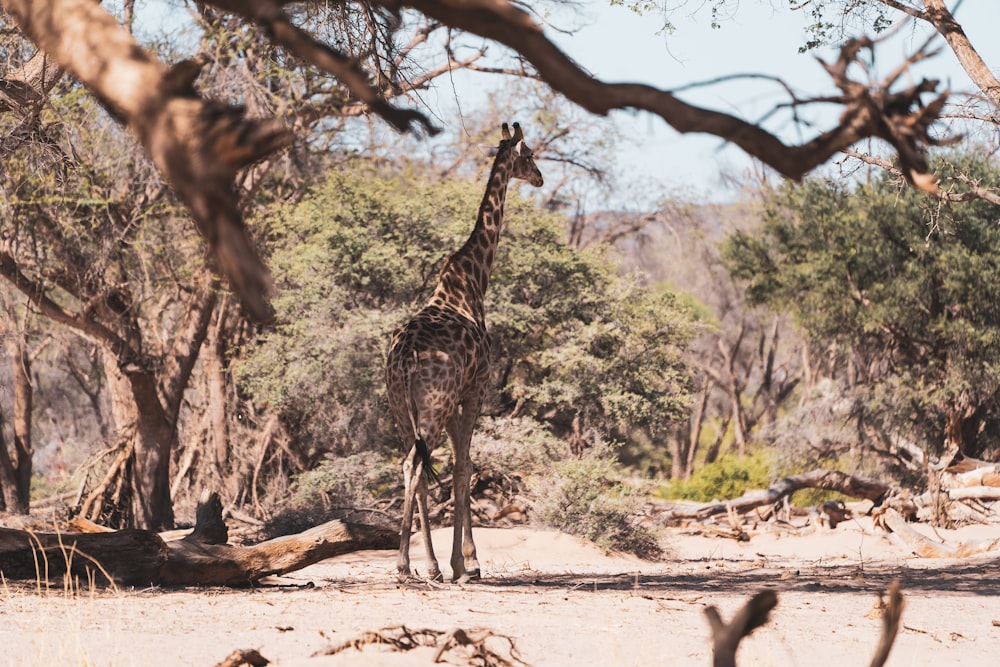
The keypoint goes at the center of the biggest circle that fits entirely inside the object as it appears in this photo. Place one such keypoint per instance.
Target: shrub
(728, 477)
(335, 489)
(585, 498)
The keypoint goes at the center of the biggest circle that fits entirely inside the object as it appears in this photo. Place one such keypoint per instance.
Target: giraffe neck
(466, 274)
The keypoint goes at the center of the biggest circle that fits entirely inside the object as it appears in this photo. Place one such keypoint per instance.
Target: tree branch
(197, 144)
(269, 14)
(869, 111)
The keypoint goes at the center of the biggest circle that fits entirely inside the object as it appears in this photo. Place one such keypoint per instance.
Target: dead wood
(124, 556)
(143, 558)
(473, 642)
(892, 611)
(726, 637)
(194, 563)
(977, 492)
(832, 480)
(925, 547)
(244, 656)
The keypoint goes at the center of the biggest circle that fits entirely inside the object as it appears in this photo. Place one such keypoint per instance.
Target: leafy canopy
(360, 254)
(906, 284)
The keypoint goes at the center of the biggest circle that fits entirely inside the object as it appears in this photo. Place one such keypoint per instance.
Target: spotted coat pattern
(439, 365)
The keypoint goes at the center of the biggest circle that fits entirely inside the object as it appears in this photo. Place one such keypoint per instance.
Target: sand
(559, 600)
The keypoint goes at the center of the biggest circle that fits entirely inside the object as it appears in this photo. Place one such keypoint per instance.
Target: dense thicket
(589, 354)
(903, 289)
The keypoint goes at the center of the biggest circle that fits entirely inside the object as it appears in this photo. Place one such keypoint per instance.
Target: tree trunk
(214, 360)
(683, 466)
(16, 464)
(9, 500)
(23, 400)
(143, 558)
(140, 420)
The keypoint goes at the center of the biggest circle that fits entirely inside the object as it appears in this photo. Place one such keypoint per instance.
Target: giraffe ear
(518, 135)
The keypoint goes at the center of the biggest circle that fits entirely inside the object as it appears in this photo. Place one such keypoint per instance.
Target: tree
(578, 349)
(298, 71)
(901, 287)
(200, 145)
(16, 462)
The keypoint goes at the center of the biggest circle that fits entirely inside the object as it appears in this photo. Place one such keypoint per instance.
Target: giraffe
(438, 367)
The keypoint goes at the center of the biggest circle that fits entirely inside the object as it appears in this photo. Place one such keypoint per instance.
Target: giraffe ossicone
(438, 366)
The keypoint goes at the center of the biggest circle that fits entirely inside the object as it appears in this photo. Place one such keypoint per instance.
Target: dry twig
(726, 638)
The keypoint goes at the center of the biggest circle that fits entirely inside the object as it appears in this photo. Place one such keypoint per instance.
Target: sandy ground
(560, 601)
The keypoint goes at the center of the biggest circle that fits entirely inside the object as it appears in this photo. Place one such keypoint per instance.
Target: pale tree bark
(15, 470)
(200, 145)
(146, 392)
(937, 14)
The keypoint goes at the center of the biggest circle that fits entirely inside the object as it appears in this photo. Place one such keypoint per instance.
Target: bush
(585, 498)
(335, 489)
(728, 477)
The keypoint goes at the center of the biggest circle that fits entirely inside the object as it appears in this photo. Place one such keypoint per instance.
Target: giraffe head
(523, 158)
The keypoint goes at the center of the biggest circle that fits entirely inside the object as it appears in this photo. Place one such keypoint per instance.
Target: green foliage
(907, 284)
(584, 497)
(335, 488)
(350, 481)
(358, 256)
(726, 478)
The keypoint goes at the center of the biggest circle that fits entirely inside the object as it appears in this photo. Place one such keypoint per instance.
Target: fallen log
(974, 492)
(124, 556)
(832, 480)
(143, 558)
(925, 547)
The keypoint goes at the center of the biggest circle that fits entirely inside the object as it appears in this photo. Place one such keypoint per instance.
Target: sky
(618, 45)
(615, 44)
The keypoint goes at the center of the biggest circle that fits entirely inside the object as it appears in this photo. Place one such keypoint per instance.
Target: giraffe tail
(424, 454)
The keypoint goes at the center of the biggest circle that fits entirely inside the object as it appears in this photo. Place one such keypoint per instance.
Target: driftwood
(924, 546)
(857, 487)
(892, 612)
(244, 657)
(726, 637)
(143, 558)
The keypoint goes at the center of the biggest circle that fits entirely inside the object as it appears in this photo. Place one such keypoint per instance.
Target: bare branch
(973, 193)
(269, 14)
(726, 638)
(870, 111)
(197, 144)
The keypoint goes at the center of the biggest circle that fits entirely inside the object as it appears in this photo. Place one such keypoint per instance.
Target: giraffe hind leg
(433, 569)
(465, 565)
(409, 490)
(415, 493)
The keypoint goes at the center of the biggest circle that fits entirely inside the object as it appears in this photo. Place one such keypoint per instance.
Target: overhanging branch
(869, 110)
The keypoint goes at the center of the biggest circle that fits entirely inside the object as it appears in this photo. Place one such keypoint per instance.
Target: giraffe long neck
(466, 274)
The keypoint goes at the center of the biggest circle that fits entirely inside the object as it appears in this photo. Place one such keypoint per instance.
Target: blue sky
(615, 44)
(618, 45)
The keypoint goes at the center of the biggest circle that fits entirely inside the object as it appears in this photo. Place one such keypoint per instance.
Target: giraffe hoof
(471, 575)
(435, 576)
